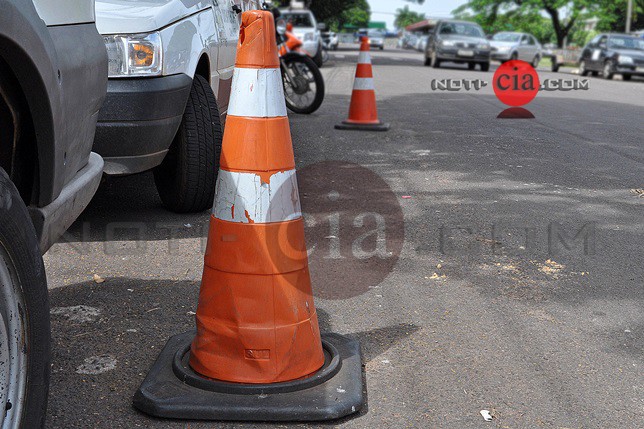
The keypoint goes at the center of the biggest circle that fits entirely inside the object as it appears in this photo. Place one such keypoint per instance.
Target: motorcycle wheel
(304, 92)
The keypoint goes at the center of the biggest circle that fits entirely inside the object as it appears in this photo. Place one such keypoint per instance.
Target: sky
(384, 10)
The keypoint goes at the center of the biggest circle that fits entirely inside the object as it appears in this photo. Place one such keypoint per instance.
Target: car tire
(318, 59)
(26, 336)
(626, 77)
(471, 66)
(535, 62)
(583, 71)
(186, 177)
(514, 56)
(594, 73)
(609, 70)
(436, 63)
(485, 67)
(428, 61)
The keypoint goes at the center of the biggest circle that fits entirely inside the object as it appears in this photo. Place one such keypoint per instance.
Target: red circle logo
(516, 83)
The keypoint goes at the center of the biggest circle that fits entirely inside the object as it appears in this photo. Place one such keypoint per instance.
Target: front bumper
(376, 43)
(630, 69)
(54, 219)
(311, 47)
(139, 120)
(457, 55)
(501, 55)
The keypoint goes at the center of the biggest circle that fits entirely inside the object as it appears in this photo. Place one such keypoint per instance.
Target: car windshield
(462, 29)
(375, 33)
(298, 19)
(506, 37)
(624, 42)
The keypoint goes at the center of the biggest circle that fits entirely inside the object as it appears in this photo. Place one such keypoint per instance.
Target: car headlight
(448, 43)
(623, 59)
(309, 37)
(504, 48)
(483, 46)
(134, 55)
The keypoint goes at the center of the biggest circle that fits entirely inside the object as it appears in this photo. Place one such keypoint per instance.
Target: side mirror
(603, 45)
(280, 25)
(321, 26)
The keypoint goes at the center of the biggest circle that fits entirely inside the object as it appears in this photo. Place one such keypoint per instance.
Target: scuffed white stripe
(242, 197)
(257, 93)
(363, 83)
(364, 58)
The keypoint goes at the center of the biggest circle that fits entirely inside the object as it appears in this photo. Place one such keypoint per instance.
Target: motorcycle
(302, 79)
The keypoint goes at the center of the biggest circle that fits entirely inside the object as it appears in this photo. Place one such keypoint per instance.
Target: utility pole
(629, 14)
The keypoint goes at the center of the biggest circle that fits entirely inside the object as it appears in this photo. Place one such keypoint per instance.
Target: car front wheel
(485, 67)
(186, 177)
(24, 316)
(609, 70)
(583, 71)
(318, 59)
(436, 63)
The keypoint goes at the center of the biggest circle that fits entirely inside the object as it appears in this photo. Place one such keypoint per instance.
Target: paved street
(505, 270)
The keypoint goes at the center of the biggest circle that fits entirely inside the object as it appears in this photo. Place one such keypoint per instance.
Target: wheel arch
(36, 143)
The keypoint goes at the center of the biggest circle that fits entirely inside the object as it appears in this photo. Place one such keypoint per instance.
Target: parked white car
(307, 29)
(171, 65)
(516, 46)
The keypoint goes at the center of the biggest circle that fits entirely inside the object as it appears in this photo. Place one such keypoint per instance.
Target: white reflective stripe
(242, 197)
(257, 93)
(364, 83)
(364, 58)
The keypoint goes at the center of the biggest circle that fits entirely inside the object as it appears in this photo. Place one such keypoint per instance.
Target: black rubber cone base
(346, 125)
(173, 390)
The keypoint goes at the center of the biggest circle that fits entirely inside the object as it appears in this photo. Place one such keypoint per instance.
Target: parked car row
(114, 86)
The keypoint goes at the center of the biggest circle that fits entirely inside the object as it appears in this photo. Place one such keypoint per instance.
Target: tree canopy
(337, 14)
(565, 16)
(406, 16)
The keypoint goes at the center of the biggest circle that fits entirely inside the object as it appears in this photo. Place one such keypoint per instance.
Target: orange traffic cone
(257, 353)
(363, 111)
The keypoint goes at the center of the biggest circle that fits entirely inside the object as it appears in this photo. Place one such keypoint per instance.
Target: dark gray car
(53, 79)
(460, 42)
(611, 54)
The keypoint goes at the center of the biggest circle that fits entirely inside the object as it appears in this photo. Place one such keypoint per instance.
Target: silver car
(516, 46)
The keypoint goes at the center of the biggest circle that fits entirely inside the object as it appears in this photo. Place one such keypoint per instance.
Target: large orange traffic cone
(257, 353)
(363, 111)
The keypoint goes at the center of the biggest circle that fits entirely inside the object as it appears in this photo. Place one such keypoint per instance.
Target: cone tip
(257, 47)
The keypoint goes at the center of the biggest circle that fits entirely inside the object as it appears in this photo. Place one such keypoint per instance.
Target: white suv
(306, 28)
(171, 65)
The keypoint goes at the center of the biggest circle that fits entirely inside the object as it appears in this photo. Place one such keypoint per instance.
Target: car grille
(465, 45)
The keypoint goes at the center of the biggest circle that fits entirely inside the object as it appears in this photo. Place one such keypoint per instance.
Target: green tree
(564, 14)
(338, 13)
(405, 17)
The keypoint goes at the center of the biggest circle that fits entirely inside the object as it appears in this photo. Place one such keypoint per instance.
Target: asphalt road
(509, 276)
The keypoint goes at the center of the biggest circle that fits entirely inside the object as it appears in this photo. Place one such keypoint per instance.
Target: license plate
(465, 53)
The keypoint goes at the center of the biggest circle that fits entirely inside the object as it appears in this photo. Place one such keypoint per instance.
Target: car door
(524, 49)
(227, 22)
(598, 53)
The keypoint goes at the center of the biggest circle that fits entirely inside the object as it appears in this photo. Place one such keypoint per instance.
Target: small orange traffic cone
(363, 111)
(257, 353)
